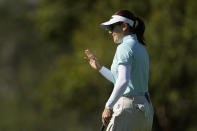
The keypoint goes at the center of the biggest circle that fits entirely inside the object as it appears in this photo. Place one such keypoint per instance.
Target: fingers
(89, 54)
(104, 121)
(89, 59)
(105, 118)
(87, 51)
(86, 58)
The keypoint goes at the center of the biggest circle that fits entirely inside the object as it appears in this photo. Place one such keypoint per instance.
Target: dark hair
(139, 26)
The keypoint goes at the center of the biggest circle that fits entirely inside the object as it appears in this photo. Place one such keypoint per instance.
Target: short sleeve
(124, 55)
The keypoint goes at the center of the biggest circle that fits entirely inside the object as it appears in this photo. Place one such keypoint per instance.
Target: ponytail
(139, 27)
(139, 30)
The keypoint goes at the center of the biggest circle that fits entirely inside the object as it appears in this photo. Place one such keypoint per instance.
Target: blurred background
(45, 85)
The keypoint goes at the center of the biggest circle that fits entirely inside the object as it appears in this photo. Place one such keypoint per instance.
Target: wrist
(99, 67)
(108, 108)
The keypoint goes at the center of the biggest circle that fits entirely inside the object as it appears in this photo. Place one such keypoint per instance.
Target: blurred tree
(46, 84)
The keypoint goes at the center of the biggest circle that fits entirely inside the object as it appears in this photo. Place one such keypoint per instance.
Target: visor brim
(114, 19)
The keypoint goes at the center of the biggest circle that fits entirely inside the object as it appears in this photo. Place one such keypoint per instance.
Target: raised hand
(93, 61)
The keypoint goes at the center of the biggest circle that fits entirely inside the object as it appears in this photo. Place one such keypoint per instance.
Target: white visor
(116, 18)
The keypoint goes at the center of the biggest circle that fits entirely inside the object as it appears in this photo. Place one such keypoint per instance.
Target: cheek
(116, 38)
(116, 35)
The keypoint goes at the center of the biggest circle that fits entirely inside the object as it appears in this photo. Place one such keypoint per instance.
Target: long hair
(139, 26)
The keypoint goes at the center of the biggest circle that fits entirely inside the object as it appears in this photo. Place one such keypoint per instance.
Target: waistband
(145, 94)
(136, 94)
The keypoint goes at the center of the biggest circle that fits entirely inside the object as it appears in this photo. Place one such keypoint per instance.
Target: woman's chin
(116, 41)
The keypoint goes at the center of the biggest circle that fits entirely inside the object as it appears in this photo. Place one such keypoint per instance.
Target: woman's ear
(124, 26)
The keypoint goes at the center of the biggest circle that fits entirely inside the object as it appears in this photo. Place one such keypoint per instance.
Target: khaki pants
(131, 114)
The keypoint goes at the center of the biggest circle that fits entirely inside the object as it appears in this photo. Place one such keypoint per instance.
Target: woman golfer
(129, 107)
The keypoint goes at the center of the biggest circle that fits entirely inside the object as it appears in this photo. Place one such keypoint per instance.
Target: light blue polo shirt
(131, 52)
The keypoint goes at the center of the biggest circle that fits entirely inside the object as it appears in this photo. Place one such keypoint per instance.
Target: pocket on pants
(144, 108)
(117, 110)
(140, 107)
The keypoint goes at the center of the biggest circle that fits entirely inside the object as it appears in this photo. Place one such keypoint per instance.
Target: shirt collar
(127, 37)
